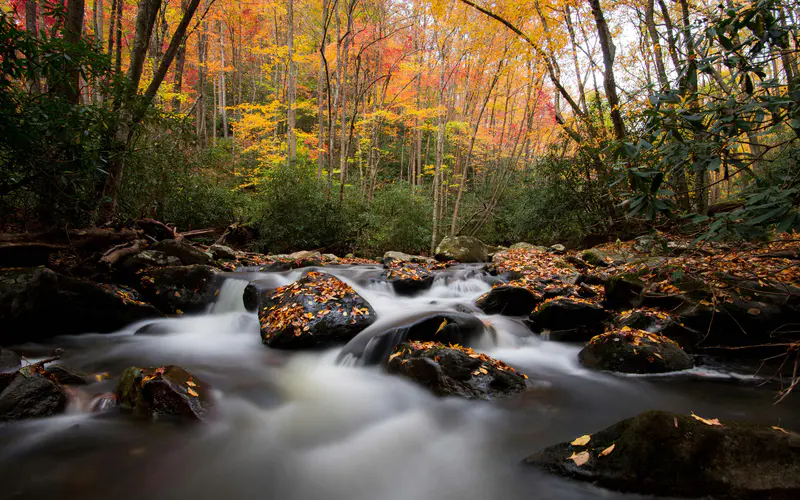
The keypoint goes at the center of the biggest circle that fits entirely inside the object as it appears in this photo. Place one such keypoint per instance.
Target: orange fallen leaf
(607, 451)
(712, 421)
(444, 323)
(579, 458)
(190, 383)
(191, 392)
(582, 441)
(781, 429)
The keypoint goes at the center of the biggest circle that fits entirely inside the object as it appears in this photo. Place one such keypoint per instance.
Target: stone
(65, 375)
(37, 303)
(183, 250)
(628, 350)
(219, 252)
(31, 396)
(623, 291)
(462, 249)
(318, 309)
(409, 278)
(558, 249)
(147, 259)
(667, 454)
(446, 328)
(168, 391)
(400, 257)
(569, 319)
(10, 363)
(455, 371)
(178, 290)
(508, 300)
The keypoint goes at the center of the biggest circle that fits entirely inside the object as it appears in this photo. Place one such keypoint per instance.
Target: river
(306, 426)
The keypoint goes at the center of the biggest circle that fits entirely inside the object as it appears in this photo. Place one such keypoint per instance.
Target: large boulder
(222, 252)
(296, 260)
(31, 395)
(462, 249)
(455, 371)
(168, 391)
(569, 319)
(667, 454)
(37, 303)
(183, 250)
(628, 350)
(317, 309)
(509, 300)
(178, 290)
(449, 328)
(65, 375)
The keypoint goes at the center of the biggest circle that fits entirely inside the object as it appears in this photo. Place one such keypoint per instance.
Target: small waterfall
(229, 298)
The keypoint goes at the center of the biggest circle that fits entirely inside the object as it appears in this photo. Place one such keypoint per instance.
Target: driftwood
(92, 238)
(114, 254)
(157, 230)
(199, 232)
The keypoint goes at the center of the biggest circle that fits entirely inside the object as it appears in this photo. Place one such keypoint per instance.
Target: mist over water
(299, 425)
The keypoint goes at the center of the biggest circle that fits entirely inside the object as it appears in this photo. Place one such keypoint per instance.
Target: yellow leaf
(781, 429)
(190, 383)
(178, 311)
(394, 355)
(579, 458)
(753, 311)
(582, 441)
(444, 323)
(713, 421)
(191, 392)
(607, 451)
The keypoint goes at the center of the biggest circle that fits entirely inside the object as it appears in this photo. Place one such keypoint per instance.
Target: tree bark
(441, 119)
(180, 61)
(31, 7)
(292, 87)
(610, 84)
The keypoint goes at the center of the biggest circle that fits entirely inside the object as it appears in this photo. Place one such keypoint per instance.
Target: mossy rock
(623, 291)
(462, 249)
(168, 391)
(667, 454)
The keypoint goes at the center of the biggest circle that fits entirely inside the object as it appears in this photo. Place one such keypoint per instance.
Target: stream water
(299, 425)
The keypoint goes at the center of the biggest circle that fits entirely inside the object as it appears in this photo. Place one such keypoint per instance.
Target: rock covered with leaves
(316, 310)
(628, 350)
(668, 454)
(167, 391)
(454, 370)
(408, 277)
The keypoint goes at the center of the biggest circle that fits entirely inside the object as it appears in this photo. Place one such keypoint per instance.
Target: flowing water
(300, 425)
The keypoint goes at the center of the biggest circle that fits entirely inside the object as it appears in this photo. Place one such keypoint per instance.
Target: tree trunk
(31, 8)
(657, 54)
(320, 92)
(441, 119)
(180, 61)
(223, 111)
(610, 84)
(292, 86)
(69, 87)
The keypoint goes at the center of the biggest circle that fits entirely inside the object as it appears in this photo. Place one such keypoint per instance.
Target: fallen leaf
(753, 311)
(191, 392)
(713, 421)
(582, 441)
(579, 458)
(444, 323)
(781, 429)
(607, 451)
(675, 421)
(190, 383)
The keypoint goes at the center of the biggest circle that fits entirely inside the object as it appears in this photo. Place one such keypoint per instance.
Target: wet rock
(453, 371)
(451, 328)
(409, 278)
(462, 249)
(65, 375)
(628, 350)
(253, 291)
(183, 250)
(623, 291)
(509, 300)
(37, 303)
(659, 322)
(221, 252)
(569, 319)
(390, 258)
(10, 362)
(103, 402)
(31, 396)
(296, 260)
(316, 310)
(177, 290)
(147, 259)
(667, 454)
(168, 391)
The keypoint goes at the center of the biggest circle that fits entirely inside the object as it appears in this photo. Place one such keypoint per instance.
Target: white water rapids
(297, 425)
